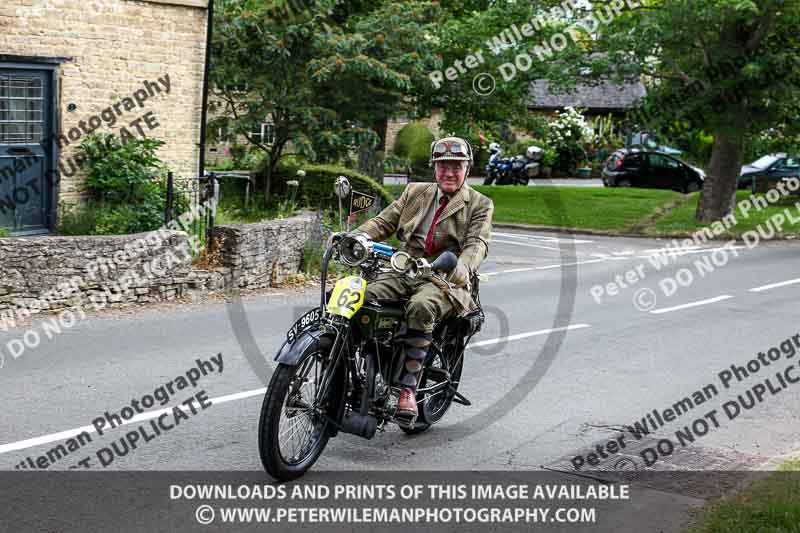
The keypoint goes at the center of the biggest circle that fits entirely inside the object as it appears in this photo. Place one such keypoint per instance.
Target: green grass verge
(769, 505)
(572, 207)
(681, 220)
(622, 209)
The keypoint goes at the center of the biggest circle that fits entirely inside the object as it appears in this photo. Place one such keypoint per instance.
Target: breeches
(427, 303)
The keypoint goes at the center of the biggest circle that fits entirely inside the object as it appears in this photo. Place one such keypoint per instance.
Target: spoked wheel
(293, 429)
(438, 385)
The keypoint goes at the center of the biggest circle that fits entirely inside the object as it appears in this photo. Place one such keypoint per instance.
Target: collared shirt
(421, 233)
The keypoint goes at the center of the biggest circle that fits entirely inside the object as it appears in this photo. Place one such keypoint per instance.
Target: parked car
(647, 140)
(649, 169)
(773, 166)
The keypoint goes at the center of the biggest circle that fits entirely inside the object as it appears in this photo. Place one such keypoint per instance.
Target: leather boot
(407, 404)
(416, 349)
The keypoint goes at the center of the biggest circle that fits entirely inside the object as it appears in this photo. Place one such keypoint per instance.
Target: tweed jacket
(464, 228)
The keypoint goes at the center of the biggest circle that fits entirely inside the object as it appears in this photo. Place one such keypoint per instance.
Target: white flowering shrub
(567, 134)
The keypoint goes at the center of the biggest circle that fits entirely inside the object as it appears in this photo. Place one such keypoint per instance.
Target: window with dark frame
(21, 110)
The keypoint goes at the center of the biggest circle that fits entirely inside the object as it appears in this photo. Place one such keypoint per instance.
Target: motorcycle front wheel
(503, 180)
(293, 428)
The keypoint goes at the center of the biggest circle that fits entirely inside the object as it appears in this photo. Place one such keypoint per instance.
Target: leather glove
(459, 276)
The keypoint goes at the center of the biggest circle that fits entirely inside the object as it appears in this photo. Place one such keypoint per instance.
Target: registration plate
(302, 324)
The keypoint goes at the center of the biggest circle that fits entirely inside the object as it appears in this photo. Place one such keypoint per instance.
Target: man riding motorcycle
(431, 218)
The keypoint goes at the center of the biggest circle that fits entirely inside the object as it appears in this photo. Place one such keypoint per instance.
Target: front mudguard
(290, 354)
(312, 340)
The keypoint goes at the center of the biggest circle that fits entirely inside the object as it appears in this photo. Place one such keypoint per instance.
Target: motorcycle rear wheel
(433, 406)
(289, 417)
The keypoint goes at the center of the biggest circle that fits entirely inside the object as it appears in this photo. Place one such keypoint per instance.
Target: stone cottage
(72, 67)
(599, 99)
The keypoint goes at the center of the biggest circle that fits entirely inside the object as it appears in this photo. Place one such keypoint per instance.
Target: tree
(729, 67)
(259, 72)
(380, 59)
(326, 76)
(476, 103)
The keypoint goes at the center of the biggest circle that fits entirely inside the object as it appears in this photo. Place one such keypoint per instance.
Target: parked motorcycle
(340, 366)
(525, 167)
(498, 167)
(514, 171)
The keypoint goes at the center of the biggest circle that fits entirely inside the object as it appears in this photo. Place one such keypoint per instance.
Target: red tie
(429, 239)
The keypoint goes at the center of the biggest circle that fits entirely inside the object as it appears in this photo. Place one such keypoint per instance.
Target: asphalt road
(539, 397)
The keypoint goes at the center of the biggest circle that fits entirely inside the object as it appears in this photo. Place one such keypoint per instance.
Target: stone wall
(111, 48)
(262, 255)
(53, 273)
(48, 274)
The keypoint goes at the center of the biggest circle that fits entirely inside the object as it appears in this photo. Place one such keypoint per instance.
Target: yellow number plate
(347, 296)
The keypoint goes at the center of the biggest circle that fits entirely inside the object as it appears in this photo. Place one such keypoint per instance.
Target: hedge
(414, 143)
(317, 187)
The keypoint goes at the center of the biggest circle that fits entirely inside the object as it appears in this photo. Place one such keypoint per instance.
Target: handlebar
(357, 249)
(383, 249)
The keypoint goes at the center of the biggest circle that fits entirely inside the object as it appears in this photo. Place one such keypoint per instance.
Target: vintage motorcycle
(340, 365)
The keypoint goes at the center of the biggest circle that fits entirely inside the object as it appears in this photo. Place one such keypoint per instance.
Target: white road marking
(775, 285)
(527, 244)
(550, 267)
(608, 257)
(670, 250)
(540, 237)
(692, 304)
(572, 264)
(148, 415)
(671, 253)
(526, 236)
(509, 271)
(526, 335)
